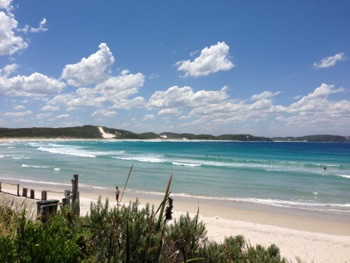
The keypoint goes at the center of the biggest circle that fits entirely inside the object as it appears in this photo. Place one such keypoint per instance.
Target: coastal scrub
(119, 234)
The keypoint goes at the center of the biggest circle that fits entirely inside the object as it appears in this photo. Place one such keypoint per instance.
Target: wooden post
(65, 201)
(43, 195)
(67, 196)
(75, 193)
(17, 189)
(67, 193)
(0, 186)
(24, 192)
(78, 204)
(32, 193)
(75, 187)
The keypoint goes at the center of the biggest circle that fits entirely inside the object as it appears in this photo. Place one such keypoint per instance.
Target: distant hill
(86, 132)
(314, 138)
(92, 132)
(230, 137)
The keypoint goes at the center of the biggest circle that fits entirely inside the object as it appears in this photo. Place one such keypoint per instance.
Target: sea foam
(344, 175)
(74, 150)
(35, 166)
(147, 159)
(187, 164)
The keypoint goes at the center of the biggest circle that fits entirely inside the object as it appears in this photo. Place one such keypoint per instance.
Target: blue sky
(261, 67)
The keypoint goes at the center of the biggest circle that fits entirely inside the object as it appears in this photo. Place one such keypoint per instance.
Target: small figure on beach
(325, 168)
(117, 192)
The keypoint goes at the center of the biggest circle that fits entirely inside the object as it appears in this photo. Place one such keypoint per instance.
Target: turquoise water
(276, 174)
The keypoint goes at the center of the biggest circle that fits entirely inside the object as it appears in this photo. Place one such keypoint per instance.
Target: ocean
(307, 176)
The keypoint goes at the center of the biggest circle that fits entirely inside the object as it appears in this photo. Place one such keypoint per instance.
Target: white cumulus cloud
(8, 70)
(169, 111)
(40, 28)
(18, 107)
(6, 4)
(185, 97)
(62, 116)
(148, 117)
(36, 84)
(18, 114)
(89, 70)
(50, 108)
(211, 59)
(315, 101)
(329, 61)
(113, 92)
(104, 113)
(128, 104)
(120, 86)
(264, 95)
(43, 115)
(10, 41)
(315, 112)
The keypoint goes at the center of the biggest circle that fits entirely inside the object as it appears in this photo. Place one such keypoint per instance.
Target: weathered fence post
(75, 187)
(65, 201)
(17, 189)
(75, 193)
(46, 208)
(0, 186)
(43, 195)
(67, 194)
(78, 204)
(32, 193)
(24, 192)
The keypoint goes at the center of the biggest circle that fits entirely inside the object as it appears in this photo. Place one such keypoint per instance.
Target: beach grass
(125, 233)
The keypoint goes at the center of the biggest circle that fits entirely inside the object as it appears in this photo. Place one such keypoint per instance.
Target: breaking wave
(73, 150)
(35, 166)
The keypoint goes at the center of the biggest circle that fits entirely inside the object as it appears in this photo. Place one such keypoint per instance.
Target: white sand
(106, 135)
(319, 241)
(311, 239)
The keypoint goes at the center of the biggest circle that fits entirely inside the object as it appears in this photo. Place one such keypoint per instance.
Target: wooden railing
(27, 192)
(71, 197)
(3, 183)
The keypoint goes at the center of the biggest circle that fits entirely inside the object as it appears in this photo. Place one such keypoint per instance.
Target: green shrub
(184, 238)
(122, 234)
(263, 255)
(108, 233)
(54, 241)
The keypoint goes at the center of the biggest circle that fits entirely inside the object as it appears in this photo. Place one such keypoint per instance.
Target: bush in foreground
(120, 234)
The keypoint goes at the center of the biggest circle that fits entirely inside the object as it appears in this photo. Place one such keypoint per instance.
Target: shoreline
(297, 230)
(301, 220)
(286, 217)
(36, 139)
(307, 237)
(31, 139)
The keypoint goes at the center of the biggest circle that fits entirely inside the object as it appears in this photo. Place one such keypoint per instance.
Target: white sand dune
(106, 135)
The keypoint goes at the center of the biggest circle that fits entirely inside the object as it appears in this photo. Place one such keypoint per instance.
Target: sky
(268, 68)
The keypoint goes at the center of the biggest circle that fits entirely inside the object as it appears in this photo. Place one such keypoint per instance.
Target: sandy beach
(309, 237)
(235, 114)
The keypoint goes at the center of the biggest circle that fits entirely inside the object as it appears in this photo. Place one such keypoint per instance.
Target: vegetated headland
(94, 132)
